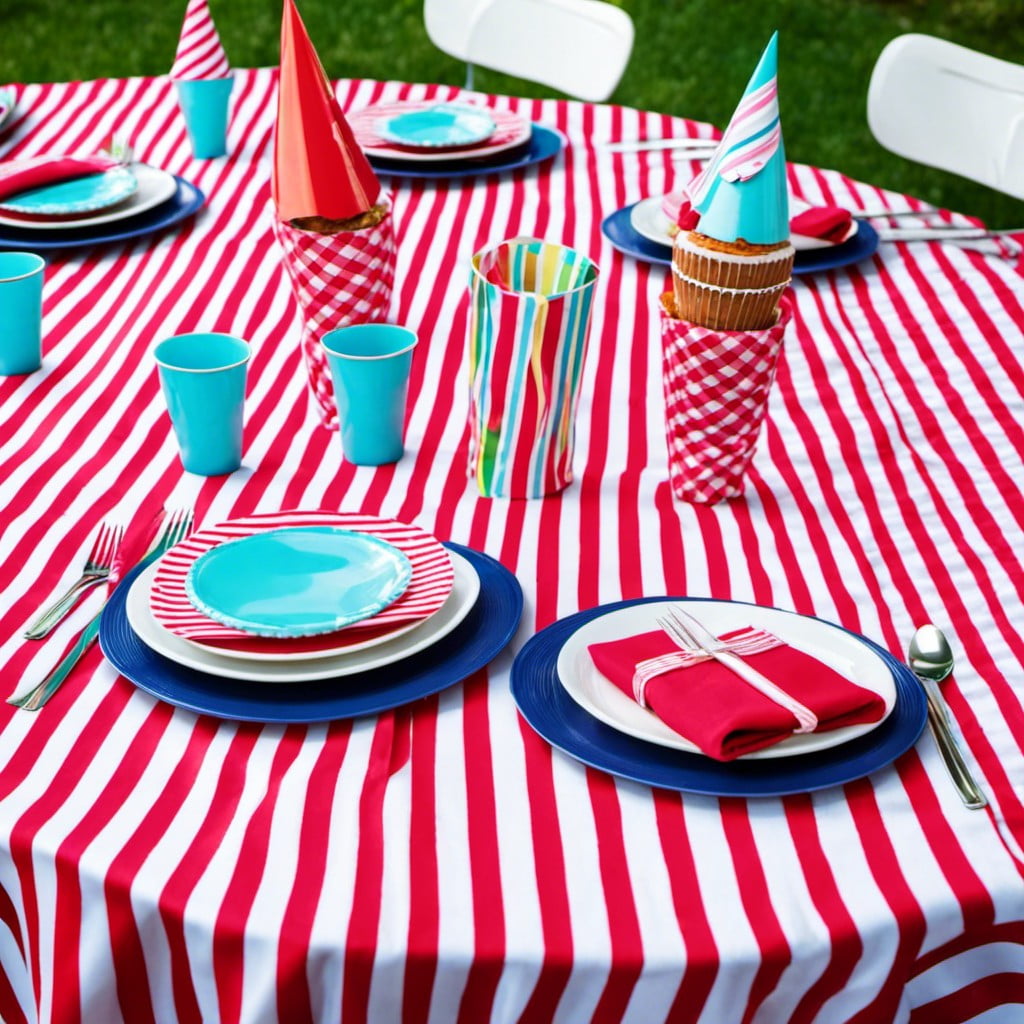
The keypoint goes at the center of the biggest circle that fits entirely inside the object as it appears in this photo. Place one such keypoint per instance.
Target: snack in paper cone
(200, 54)
(730, 271)
(333, 220)
(716, 396)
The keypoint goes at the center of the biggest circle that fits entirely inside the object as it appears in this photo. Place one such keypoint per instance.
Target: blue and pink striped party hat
(741, 193)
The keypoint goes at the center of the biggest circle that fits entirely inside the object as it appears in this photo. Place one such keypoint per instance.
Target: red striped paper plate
(431, 583)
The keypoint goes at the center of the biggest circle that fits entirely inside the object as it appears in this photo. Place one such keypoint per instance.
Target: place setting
(722, 698)
(308, 616)
(824, 237)
(430, 139)
(63, 201)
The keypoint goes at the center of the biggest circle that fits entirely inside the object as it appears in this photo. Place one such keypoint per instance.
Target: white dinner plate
(840, 650)
(154, 187)
(300, 669)
(649, 219)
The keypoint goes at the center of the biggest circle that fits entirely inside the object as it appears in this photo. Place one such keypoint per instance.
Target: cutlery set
(176, 526)
(966, 235)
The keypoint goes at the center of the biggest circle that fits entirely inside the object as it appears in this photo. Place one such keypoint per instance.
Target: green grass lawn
(692, 57)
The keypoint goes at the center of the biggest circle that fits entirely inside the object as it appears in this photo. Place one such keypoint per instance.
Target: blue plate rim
(399, 584)
(544, 144)
(555, 716)
(618, 229)
(472, 645)
(186, 201)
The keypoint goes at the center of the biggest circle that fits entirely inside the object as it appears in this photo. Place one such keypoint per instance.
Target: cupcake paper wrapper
(716, 396)
(338, 280)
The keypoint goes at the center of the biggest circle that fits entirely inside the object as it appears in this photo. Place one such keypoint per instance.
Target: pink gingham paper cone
(716, 397)
(338, 280)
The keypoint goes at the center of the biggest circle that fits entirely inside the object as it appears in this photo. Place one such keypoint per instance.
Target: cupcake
(731, 269)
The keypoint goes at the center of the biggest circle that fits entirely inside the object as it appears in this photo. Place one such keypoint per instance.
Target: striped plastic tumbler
(529, 324)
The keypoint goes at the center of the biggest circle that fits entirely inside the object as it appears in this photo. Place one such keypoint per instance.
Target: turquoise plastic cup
(204, 103)
(370, 366)
(21, 312)
(203, 379)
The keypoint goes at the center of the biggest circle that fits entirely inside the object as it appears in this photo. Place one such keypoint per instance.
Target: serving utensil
(931, 660)
(176, 527)
(96, 569)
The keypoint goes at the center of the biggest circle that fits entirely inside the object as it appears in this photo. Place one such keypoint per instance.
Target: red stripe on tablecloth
(181, 883)
(888, 874)
(485, 867)
(133, 991)
(754, 889)
(689, 904)
(25, 829)
(68, 912)
(424, 869)
(361, 934)
(295, 968)
(994, 991)
(845, 942)
(627, 955)
(228, 951)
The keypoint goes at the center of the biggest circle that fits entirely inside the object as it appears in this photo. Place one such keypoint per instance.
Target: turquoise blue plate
(297, 581)
(79, 195)
(443, 125)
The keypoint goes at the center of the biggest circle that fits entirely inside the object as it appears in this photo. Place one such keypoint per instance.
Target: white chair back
(448, 22)
(944, 105)
(580, 47)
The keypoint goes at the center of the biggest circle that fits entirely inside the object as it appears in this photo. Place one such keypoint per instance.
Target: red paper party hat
(200, 54)
(319, 169)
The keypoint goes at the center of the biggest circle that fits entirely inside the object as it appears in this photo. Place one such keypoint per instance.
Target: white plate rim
(647, 218)
(155, 186)
(298, 669)
(581, 680)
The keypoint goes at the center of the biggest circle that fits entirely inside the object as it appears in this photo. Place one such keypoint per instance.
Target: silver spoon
(931, 660)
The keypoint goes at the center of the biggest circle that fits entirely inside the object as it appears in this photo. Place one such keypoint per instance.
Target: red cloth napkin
(829, 223)
(22, 175)
(715, 709)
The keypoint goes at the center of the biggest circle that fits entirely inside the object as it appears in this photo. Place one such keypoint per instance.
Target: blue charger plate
(544, 144)
(483, 634)
(185, 202)
(544, 703)
(619, 230)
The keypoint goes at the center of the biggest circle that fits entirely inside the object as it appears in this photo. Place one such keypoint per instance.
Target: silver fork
(691, 635)
(175, 528)
(96, 570)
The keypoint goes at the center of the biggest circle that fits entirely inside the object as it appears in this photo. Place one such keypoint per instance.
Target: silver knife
(645, 145)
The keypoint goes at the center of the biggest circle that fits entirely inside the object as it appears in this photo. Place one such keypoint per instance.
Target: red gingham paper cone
(716, 397)
(338, 280)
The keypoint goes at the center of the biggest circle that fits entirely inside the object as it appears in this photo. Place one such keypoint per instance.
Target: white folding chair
(944, 105)
(580, 47)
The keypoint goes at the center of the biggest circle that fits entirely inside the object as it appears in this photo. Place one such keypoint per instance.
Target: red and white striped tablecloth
(442, 863)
